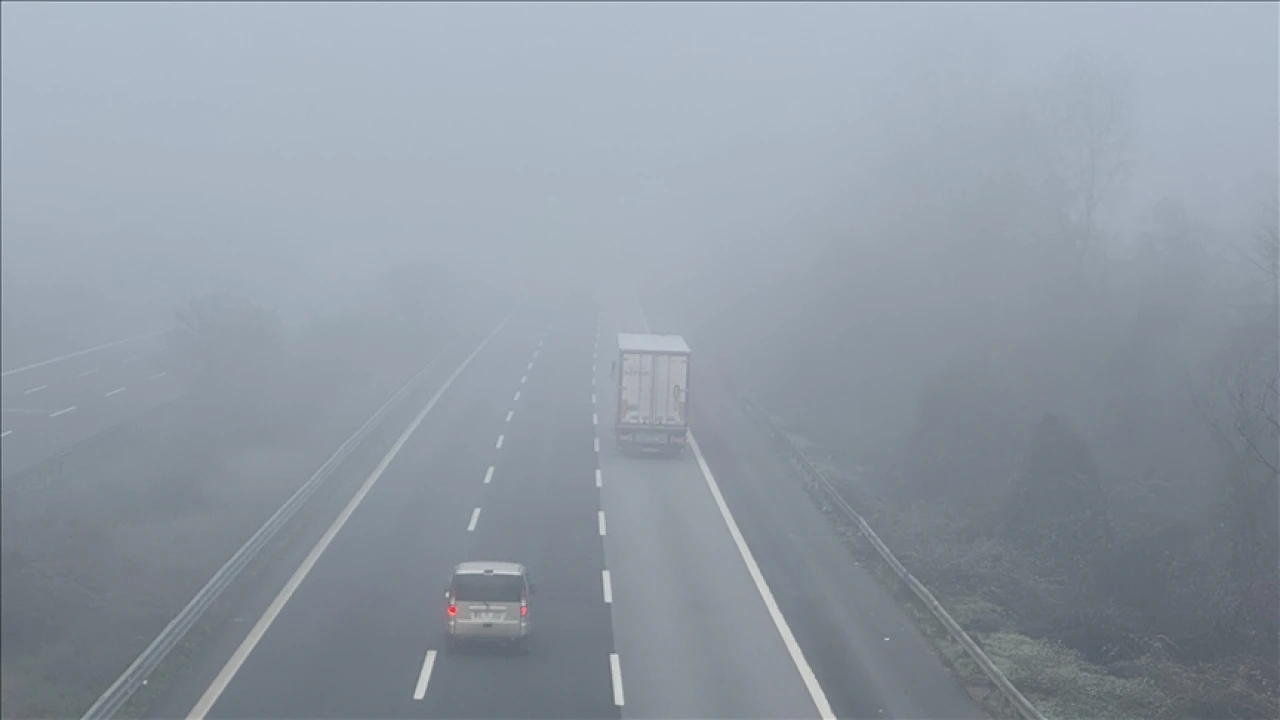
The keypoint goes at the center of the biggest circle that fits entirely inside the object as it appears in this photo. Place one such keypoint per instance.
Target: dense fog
(1015, 262)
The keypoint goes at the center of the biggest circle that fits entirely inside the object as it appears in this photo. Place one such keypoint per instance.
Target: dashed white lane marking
(608, 586)
(130, 359)
(595, 419)
(535, 353)
(596, 443)
(615, 670)
(488, 475)
(159, 375)
(499, 445)
(475, 515)
(789, 640)
(117, 391)
(87, 373)
(429, 662)
(599, 479)
(509, 414)
(600, 518)
(36, 389)
(6, 433)
(593, 398)
(593, 379)
(63, 411)
(516, 396)
(529, 367)
(793, 648)
(229, 670)
(523, 378)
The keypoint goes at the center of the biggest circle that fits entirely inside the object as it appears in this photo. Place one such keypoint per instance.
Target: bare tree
(1090, 122)
(225, 339)
(1247, 431)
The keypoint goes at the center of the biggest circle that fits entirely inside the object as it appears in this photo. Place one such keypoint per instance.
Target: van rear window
(488, 588)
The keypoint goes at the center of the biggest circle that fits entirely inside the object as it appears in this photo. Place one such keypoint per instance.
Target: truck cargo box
(653, 392)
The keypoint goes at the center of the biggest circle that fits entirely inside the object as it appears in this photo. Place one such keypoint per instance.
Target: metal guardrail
(135, 676)
(1011, 695)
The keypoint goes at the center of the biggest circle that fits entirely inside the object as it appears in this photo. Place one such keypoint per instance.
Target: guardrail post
(1010, 694)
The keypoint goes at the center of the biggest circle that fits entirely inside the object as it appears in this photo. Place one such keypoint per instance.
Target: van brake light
(453, 610)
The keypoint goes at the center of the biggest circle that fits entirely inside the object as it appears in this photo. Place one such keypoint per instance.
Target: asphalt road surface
(652, 601)
(47, 407)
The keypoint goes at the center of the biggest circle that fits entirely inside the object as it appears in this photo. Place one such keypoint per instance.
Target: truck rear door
(671, 374)
(635, 397)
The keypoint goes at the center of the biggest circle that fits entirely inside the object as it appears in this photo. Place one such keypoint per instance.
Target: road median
(105, 545)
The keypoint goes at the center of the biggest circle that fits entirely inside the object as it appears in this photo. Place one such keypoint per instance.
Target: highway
(48, 406)
(652, 601)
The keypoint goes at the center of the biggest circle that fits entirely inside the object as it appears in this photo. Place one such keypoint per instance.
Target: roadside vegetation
(101, 546)
(1065, 426)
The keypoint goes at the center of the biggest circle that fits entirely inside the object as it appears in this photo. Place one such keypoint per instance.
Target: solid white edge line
(615, 672)
(136, 674)
(600, 521)
(607, 585)
(643, 318)
(488, 475)
(599, 479)
(775, 613)
(498, 446)
(78, 353)
(788, 639)
(232, 666)
(420, 690)
(475, 517)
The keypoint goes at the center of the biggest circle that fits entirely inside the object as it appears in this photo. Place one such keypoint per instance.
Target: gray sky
(277, 146)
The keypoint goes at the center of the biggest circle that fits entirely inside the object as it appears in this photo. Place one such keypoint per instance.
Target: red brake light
(524, 610)
(453, 610)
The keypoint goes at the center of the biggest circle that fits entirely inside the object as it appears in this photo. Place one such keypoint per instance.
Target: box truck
(653, 393)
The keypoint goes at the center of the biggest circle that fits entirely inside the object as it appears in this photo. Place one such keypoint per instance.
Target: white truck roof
(644, 342)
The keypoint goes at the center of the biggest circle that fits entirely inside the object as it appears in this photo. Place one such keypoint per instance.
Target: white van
(489, 602)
